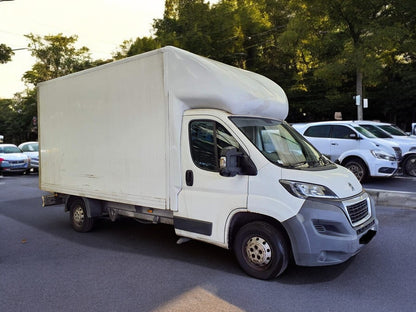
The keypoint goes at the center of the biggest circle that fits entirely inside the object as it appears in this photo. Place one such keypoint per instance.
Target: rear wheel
(261, 250)
(78, 216)
(357, 167)
(409, 165)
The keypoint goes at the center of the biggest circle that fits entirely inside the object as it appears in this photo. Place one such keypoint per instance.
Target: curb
(393, 198)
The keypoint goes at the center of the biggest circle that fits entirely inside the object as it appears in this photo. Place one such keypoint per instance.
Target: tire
(409, 166)
(261, 250)
(358, 168)
(78, 217)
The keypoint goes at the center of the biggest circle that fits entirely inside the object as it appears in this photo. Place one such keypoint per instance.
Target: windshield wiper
(298, 164)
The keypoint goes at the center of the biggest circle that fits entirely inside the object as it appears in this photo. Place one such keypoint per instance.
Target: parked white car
(393, 130)
(392, 133)
(353, 147)
(12, 159)
(31, 149)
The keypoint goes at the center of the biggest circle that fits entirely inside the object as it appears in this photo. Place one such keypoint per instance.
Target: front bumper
(34, 163)
(382, 168)
(326, 232)
(14, 166)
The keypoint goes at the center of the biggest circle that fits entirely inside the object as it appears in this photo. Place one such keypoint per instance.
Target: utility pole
(359, 95)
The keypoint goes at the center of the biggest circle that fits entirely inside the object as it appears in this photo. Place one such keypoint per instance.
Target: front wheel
(78, 216)
(261, 250)
(409, 166)
(358, 168)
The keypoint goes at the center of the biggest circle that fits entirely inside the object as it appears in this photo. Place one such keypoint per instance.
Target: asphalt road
(128, 266)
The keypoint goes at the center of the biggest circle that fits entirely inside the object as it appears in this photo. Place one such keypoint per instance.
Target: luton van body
(171, 137)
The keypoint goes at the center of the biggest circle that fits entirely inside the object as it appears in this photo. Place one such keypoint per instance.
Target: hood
(387, 146)
(384, 143)
(406, 144)
(340, 180)
(13, 156)
(34, 155)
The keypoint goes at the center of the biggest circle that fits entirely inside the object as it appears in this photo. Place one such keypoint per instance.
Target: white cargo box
(113, 132)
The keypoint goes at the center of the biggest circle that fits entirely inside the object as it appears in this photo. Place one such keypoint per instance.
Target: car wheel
(261, 250)
(358, 168)
(409, 166)
(78, 216)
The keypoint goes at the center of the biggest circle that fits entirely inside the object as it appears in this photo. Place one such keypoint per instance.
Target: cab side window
(207, 139)
(341, 132)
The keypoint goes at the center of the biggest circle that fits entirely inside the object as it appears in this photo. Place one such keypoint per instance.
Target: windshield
(30, 147)
(280, 143)
(9, 149)
(364, 132)
(393, 130)
(377, 131)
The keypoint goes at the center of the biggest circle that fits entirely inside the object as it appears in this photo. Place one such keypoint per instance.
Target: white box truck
(172, 137)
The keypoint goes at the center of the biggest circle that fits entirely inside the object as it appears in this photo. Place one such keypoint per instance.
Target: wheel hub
(78, 215)
(258, 251)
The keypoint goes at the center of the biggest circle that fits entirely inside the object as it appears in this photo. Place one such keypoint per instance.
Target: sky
(101, 26)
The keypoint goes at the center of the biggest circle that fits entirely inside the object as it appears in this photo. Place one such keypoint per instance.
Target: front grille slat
(358, 211)
(16, 162)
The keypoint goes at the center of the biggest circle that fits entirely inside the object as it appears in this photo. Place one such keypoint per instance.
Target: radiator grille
(16, 162)
(358, 211)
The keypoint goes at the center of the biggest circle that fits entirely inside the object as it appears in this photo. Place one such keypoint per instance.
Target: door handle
(189, 177)
(334, 143)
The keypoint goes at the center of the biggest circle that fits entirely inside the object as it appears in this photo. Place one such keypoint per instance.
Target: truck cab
(256, 186)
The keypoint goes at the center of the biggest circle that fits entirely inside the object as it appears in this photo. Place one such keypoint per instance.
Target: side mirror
(233, 162)
(354, 136)
(229, 162)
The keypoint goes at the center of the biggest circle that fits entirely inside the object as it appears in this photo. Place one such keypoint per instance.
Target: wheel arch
(353, 157)
(94, 207)
(242, 218)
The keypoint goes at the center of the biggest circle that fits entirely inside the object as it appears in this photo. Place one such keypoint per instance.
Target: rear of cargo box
(103, 133)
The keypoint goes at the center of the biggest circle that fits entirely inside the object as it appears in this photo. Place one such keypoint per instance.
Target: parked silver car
(31, 149)
(12, 159)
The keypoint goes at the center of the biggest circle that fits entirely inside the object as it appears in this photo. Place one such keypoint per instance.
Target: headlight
(382, 155)
(304, 190)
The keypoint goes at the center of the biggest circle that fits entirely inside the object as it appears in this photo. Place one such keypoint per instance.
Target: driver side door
(207, 199)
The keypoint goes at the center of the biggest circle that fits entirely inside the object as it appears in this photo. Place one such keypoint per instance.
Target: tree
(337, 39)
(236, 32)
(17, 116)
(185, 24)
(56, 56)
(140, 45)
(5, 53)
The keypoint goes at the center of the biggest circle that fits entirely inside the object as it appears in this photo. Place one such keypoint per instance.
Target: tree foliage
(321, 52)
(140, 45)
(344, 40)
(6, 53)
(17, 118)
(56, 56)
